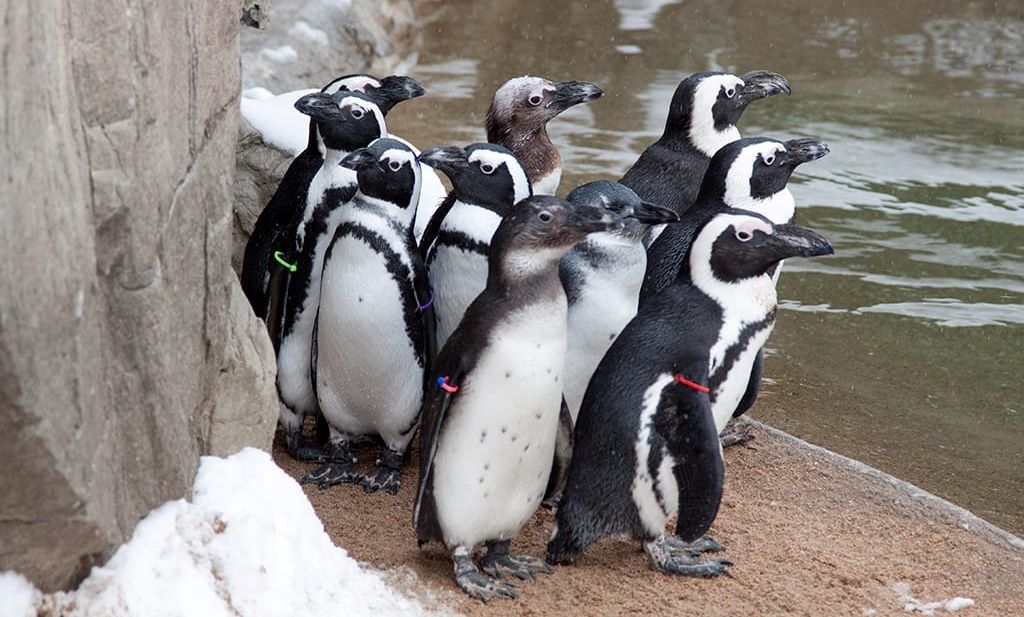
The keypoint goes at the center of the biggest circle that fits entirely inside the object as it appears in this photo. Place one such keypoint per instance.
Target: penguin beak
(799, 151)
(450, 160)
(760, 84)
(650, 214)
(795, 241)
(359, 159)
(569, 93)
(397, 88)
(590, 219)
(318, 105)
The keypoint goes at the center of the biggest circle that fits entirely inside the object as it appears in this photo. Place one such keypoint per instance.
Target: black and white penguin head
(388, 173)
(344, 120)
(737, 247)
(385, 92)
(483, 174)
(541, 229)
(637, 214)
(753, 173)
(523, 105)
(707, 106)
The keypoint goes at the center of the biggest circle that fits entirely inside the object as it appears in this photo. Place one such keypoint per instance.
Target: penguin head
(738, 245)
(542, 228)
(525, 104)
(637, 214)
(754, 169)
(387, 171)
(483, 174)
(385, 92)
(707, 106)
(344, 120)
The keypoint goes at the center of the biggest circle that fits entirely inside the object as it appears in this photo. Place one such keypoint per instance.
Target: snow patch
(284, 53)
(20, 597)
(913, 605)
(302, 30)
(276, 119)
(248, 544)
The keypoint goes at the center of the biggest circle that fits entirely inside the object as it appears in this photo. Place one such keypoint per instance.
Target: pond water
(905, 349)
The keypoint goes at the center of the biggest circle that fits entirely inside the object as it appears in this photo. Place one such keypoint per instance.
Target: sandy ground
(808, 536)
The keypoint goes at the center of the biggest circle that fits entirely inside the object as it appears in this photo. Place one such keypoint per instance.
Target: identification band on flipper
(279, 258)
(429, 303)
(691, 384)
(442, 383)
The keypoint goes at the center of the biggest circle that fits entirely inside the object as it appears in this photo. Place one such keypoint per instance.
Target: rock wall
(126, 347)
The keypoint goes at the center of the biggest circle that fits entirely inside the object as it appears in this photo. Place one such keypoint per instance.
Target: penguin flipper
(700, 472)
(753, 386)
(425, 299)
(434, 226)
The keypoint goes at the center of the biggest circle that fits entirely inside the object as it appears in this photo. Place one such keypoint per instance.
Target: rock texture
(126, 347)
(306, 44)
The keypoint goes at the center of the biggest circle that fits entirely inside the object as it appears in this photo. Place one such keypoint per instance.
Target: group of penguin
(584, 352)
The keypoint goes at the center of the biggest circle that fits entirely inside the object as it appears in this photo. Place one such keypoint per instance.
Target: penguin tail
(566, 544)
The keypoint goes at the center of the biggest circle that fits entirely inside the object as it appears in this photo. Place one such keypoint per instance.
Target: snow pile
(284, 53)
(276, 119)
(913, 605)
(19, 597)
(303, 30)
(248, 544)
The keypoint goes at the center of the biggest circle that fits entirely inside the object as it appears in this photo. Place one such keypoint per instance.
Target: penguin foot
(477, 585)
(302, 450)
(386, 474)
(499, 563)
(333, 473)
(735, 435)
(551, 503)
(705, 544)
(661, 558)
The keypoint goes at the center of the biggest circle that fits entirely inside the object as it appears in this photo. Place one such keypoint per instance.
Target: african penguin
(276, 225)
(702, 118)
(346, 121)
(518, 117)
(487, 181)
(602, 276)
(374, 327)
(489, 421)
(646, 437)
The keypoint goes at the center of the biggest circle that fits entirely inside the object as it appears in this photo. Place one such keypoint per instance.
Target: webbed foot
(499, 563)
(736, 434)
(477, 585)
(705, 544)
(386, 475)
(661, 558)
(331, 474)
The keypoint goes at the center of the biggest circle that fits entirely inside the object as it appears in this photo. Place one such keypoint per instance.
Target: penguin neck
(527, 270)
(698, 135)
(538, 156)
(778, 207)
(745, 300)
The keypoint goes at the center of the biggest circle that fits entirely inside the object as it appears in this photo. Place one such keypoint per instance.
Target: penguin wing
(685, 422)
(753, 386)
(434, 226)
(425, 299)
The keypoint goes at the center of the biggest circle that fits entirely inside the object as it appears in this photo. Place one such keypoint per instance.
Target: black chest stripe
(458, 239)
(732, 354)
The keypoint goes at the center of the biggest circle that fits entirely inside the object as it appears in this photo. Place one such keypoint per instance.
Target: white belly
(730, 391)
(494, 455)
(457, 277)
(369, 381)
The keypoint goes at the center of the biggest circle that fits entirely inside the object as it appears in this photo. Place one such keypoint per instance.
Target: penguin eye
(545, 217)
(536, 99)
(357, 113)
(487, 169)
(744, 236)
(395, 165)
(768, 160)
(730, 92)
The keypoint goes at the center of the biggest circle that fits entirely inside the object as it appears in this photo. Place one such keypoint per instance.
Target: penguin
(346, 121)
(374, 327)
(487, 180)
(702, 118)
(602, 275)
(276, 225)
(490, 414)
(518, 117)
(647, 439)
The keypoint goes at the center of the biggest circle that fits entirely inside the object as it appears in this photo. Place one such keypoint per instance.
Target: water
(905, 349)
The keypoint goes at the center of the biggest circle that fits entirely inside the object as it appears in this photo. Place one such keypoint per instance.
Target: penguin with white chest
(487, 181)
(646, 438)
(347, 121)
(374, 327)
(262, 277)
(517, 119)
(490, 420)
(702, 118)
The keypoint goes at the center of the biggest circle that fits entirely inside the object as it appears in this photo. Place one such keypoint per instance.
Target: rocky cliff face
(126, 346)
